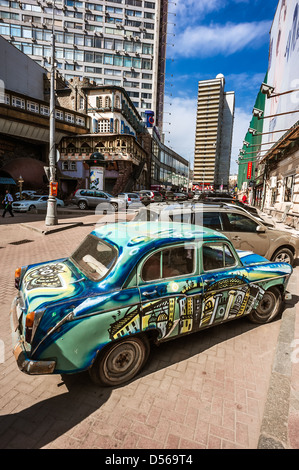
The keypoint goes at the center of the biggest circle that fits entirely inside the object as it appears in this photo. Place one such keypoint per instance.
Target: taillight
(17, 277)
(29, 325)
(129, 199)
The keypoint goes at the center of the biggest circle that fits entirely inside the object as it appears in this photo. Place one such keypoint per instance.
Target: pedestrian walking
(7, 204)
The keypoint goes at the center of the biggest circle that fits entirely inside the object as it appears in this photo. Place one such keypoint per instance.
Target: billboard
(283, 72)
(96, 178)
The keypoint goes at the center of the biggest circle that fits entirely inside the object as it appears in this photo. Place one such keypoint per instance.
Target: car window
(100, 194)
(211, 220)
(94, 257)
(87, 193)
(217, 256)
(241, 223)
(170, 262)
(184, 218)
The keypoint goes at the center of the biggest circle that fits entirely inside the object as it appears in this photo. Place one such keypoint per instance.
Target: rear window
(94, 257)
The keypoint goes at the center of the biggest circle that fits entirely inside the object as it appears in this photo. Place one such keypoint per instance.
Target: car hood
(249, 258)
(51, 282)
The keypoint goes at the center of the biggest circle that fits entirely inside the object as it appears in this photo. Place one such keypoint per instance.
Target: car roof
(127, 235)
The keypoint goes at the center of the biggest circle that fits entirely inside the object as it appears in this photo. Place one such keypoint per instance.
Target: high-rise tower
(213, 135)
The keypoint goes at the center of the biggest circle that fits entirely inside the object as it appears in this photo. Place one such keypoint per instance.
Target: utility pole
(51, 216)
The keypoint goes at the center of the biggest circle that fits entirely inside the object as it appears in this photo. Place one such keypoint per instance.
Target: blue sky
(211, 37)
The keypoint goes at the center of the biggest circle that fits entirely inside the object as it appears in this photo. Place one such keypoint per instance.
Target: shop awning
(6, 180)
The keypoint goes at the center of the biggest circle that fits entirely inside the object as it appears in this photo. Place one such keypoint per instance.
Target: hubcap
(123, 360)
(283, 258)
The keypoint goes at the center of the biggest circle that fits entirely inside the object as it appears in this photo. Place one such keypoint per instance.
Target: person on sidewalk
(7, 204)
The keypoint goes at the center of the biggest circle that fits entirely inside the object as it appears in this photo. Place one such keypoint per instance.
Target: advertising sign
(96, 181)
(249, 170)
(283, 70)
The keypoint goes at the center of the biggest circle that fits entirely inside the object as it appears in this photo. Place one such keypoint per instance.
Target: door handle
(150, 293)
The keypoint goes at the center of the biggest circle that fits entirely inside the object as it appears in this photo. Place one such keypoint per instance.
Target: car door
(170, 290)
(244, 233)
(42, 202)
(227, 291)
(100, 197)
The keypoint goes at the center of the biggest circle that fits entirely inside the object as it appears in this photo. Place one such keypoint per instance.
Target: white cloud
(207, 41)
(182, 129)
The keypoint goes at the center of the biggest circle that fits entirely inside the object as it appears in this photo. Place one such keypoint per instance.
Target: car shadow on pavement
(40, 424)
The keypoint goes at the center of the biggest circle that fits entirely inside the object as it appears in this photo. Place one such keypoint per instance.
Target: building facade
(275, 130)
(168, 169)
(117, 132)
(213, 134)
(24, 120)
(117, 42)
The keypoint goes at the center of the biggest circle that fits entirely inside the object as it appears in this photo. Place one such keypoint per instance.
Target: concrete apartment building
(213, 134)
(116, 42)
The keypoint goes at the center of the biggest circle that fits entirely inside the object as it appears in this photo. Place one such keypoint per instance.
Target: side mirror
(260, 229)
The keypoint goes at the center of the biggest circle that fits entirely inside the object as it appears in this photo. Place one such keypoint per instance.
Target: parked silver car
(244, 230)
(88, 198)
(133, 200)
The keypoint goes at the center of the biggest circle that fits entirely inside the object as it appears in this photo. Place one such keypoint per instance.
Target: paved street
(234, 386)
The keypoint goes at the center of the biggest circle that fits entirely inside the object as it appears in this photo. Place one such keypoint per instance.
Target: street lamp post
(20, 181)
(51, 216)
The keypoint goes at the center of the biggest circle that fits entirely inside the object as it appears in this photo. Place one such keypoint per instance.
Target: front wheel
(268, 307)
(82, 205)
(120, 362)
(115, 206)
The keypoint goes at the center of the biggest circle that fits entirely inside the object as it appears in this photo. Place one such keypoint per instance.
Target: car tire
(82, 205)
(120, 362)
(283, 255)
(268, 308)
(30, 208)
(115, 206)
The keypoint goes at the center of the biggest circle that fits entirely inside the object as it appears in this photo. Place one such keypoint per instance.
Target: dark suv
(244, 230)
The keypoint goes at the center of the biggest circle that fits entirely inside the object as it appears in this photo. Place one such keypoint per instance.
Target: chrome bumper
(25, 364)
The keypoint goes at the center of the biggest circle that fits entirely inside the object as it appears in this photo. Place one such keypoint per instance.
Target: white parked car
(34, 202)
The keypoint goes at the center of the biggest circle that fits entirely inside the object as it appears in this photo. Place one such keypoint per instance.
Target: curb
(48, 230)
(274, 428)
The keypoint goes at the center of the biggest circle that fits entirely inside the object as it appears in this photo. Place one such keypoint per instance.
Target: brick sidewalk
(204, 391)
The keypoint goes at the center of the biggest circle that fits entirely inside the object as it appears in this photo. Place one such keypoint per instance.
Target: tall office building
(112, 42)
(213, 135)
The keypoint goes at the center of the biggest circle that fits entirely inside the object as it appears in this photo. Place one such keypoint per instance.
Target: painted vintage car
(130, 284)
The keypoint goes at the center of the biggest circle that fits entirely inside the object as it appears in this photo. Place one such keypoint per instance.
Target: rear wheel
(283, 255)
(120, 362)
(115, 206)
(268, 307)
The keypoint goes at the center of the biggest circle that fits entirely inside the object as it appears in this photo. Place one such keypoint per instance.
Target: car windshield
(94, 257)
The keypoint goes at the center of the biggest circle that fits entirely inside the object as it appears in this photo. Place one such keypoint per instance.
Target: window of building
(289, 188)
(107, 102)
(69, 117)
(33, 107)
(59, 115)
(45, 110)
(18, 102)
(80, 121)
(104, 126)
